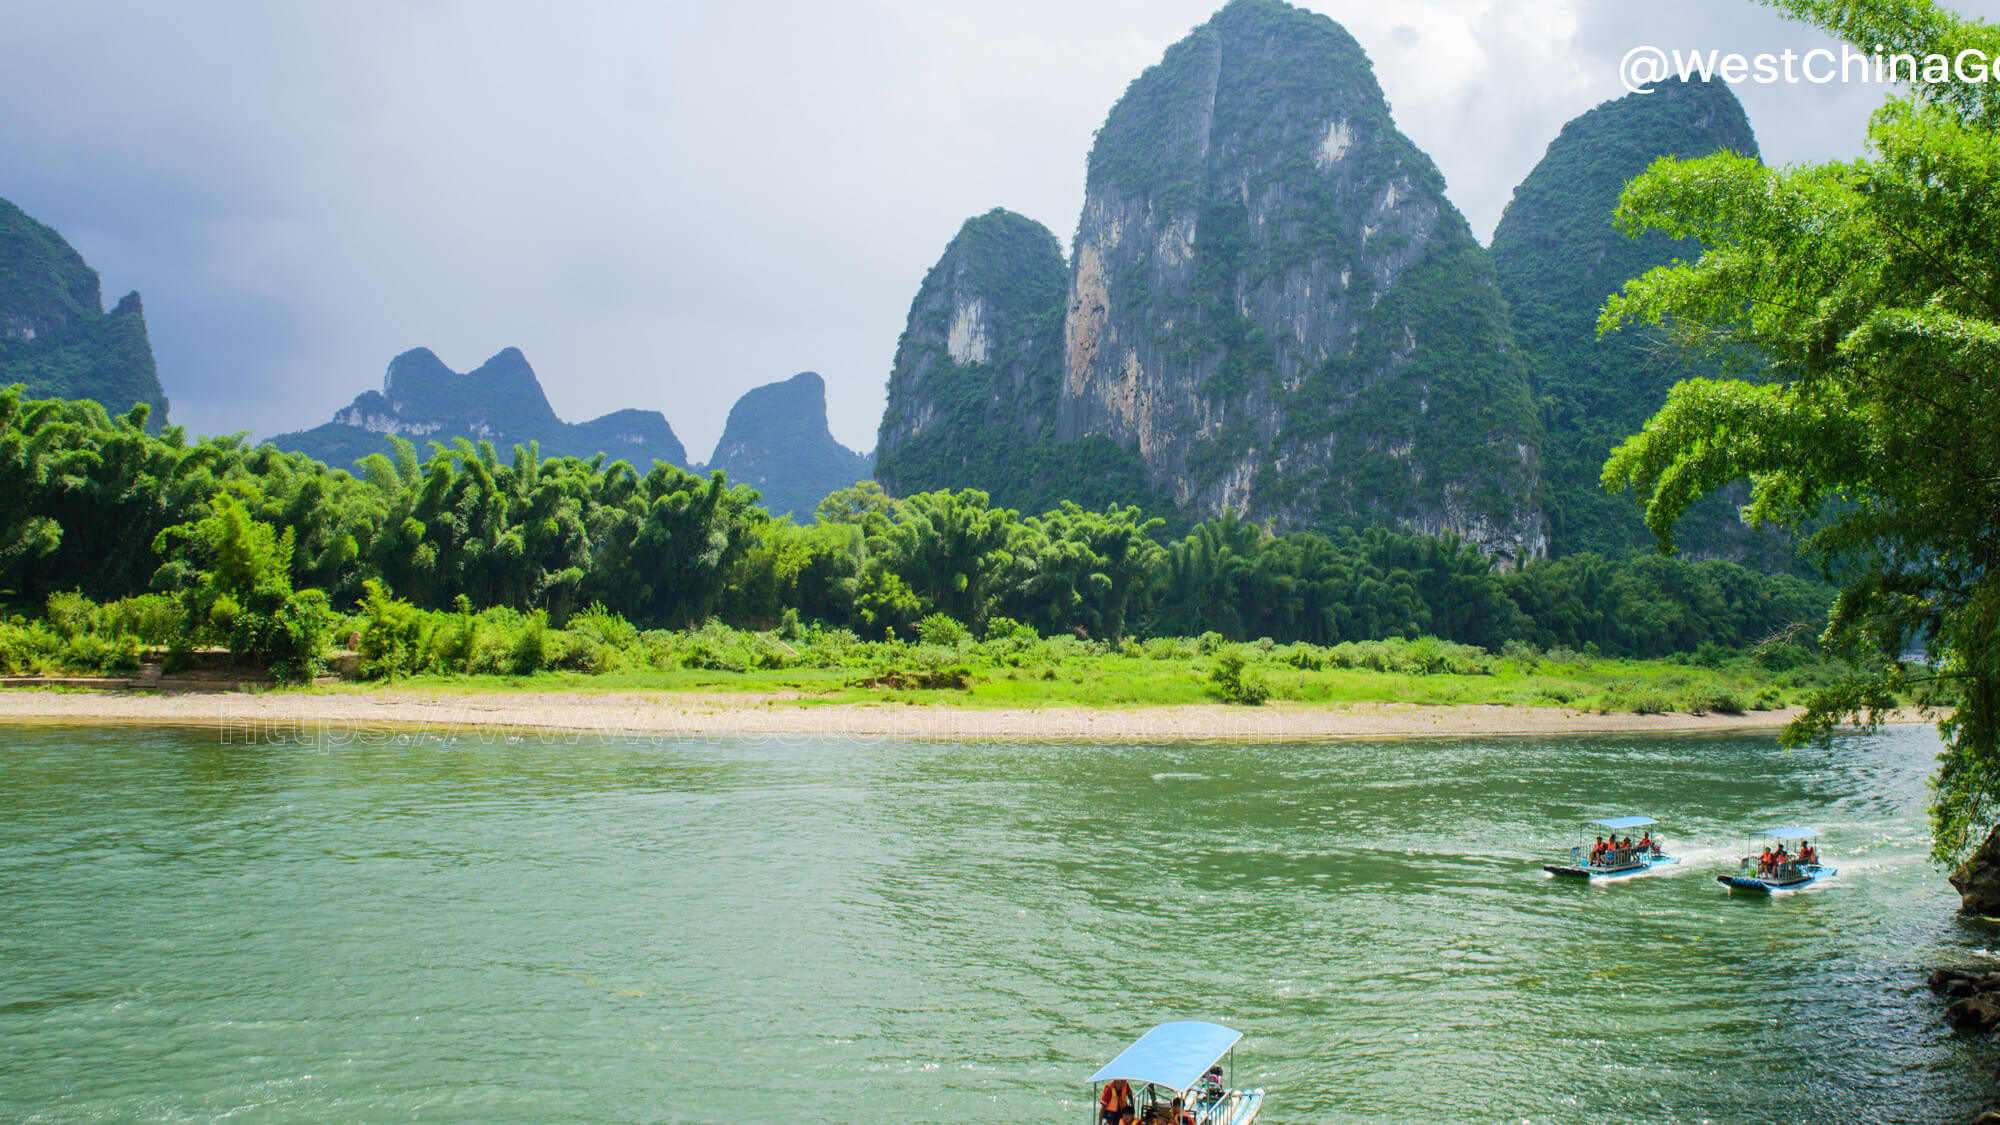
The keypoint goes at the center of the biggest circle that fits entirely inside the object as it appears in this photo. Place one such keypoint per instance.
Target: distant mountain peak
(777, 440)
(501, 395)
(794, 407)
(55, 337)
(501, 401)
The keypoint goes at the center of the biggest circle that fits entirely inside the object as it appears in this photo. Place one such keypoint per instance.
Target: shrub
(1719, 701)
(611, 630)
(789, 628)
(716, 648)
(1648, 703)
(530, 651)
(1229, 680)
(939, 629)
(1708, 654)
(26, 649)
(70, 615)
(450, 642)
(286, 631)
(155, 619)
(1000, 628)
(1783, 657)
(1305, 657)
(392, 639)
(93, 653)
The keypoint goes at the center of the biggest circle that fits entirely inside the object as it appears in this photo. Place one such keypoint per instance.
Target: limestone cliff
(500, 401)
(978, 365)
(973, 390)
(55, 337)
(777, 441)
(1558, 257)
(1272, 304)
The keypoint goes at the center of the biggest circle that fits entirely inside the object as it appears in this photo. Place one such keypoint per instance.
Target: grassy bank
(1010, 666)
(1020, 670)
(1116, 679)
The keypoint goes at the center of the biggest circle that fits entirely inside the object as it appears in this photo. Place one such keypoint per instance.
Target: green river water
(642, 929)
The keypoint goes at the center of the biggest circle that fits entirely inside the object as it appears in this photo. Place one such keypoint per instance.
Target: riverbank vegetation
(462, 563)
(1009, 665)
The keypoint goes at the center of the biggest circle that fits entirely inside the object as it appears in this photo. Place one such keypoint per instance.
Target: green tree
(1075, 570)
(948, 548)
(1871, 291)
(243, 592)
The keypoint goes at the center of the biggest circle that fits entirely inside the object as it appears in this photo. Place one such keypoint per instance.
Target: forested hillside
(55, 337)
(1559, 257)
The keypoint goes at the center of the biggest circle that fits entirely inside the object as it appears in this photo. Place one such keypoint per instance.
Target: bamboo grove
(254, 543)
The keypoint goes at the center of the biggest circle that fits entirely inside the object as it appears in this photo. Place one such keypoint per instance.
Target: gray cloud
(664, 207)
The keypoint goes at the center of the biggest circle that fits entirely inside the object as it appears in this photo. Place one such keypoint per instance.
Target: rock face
(1974, 998)
(1977, 880)
(776, 439)
(1270, 308)
(978, 373)
(1273, 304)
(980, 359)
(1558, 257)
(56, 338)
(500, 401)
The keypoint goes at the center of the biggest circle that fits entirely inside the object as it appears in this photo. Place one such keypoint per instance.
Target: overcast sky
(664, 205)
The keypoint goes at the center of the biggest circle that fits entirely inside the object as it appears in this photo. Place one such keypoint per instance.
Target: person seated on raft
(1646, 844)
(1180, 1115)
(1807, 856)
(1114, 1103)
(1766, 862)
(1597, 851)
(1781, 861)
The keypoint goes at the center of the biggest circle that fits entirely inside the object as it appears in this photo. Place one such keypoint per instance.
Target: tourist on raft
(1114, 1104)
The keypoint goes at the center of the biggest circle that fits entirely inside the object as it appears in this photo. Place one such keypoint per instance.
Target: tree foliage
(253, 548)
(1871, 290)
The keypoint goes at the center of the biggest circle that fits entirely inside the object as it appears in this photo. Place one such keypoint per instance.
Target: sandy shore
(279, 713)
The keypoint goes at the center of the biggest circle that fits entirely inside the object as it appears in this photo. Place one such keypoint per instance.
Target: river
(472, 927)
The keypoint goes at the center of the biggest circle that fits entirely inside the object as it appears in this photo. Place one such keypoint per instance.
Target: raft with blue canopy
(1756, 877)
(1615, 862)
(1187, 1060)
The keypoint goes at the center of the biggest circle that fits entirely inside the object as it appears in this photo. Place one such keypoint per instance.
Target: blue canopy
(1790, 832)
(1625, 822)
(1174, 1055)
